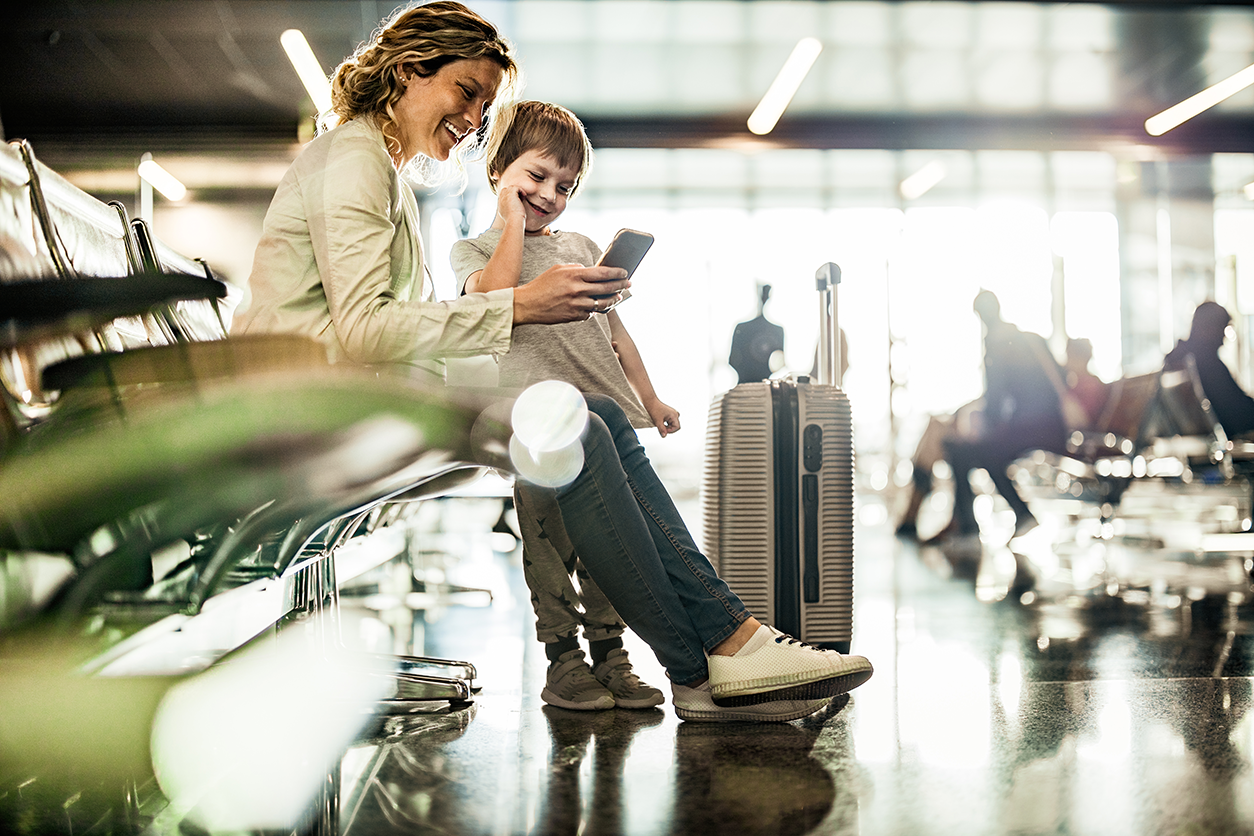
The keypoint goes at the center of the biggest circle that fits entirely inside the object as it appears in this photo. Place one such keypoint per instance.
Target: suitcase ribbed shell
(740, 506)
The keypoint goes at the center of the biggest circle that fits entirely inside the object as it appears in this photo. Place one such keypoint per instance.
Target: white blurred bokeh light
(245, 746)
(547, 468)
(549, 415)
(549, 419)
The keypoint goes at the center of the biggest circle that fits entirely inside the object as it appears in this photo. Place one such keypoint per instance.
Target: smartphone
(626, 250)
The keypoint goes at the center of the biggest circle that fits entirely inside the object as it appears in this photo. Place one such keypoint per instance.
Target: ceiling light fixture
(779, 94)
(307, 67)
(921, 182)
(1184, 111)
(161, 180)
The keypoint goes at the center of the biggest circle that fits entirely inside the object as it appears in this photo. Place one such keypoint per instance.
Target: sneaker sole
(599, 704)
(820, 689)
(701, 716)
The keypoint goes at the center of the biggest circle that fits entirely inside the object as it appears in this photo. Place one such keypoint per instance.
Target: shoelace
(782, 637)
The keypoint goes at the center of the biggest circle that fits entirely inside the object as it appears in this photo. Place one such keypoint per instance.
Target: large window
(1037, 229)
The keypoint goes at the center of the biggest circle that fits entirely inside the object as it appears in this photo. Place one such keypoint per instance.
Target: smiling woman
(429, 78)
(340, 257)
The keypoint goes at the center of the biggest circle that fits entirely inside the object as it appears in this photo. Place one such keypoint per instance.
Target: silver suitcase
(777, 493)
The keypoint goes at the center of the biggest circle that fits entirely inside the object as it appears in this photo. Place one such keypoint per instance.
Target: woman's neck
(394, 143)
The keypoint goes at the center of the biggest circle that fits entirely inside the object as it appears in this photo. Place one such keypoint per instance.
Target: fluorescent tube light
(919, 183)
(307, 67)
(1195, 104)
(785, 85)
(162, 180)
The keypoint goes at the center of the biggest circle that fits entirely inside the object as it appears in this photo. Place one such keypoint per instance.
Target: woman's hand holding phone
(567, 293)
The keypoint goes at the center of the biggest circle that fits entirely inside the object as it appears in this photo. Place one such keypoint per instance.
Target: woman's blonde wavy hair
(423, 39)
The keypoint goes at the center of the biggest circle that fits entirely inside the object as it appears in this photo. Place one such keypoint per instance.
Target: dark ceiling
(204, 73)
(112, 67)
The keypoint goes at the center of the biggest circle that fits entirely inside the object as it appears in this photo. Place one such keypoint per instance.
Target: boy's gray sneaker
(570, 684)
(615, 674)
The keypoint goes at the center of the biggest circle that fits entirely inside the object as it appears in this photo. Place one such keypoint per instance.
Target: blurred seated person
(1089, 390)
(1232, 406)
(962, 423)
(1021, 412)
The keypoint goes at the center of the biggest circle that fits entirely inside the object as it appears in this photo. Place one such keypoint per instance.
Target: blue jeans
(634, 544)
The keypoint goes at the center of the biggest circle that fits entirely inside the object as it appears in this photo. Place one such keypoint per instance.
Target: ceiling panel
(209, 74)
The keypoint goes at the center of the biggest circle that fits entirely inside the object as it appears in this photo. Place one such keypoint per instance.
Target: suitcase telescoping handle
(826, 279)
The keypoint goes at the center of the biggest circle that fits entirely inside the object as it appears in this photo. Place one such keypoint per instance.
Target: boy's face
(544, 186)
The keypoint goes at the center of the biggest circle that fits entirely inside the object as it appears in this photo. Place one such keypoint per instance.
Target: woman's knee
(607, 410)
(608, 422)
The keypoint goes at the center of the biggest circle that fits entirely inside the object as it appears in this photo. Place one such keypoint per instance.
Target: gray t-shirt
(579, 353)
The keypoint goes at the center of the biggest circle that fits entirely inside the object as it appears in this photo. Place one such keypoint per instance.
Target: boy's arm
(504, 268)
(664, 416)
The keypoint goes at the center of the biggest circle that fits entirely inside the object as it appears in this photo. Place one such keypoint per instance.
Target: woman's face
(437, 112)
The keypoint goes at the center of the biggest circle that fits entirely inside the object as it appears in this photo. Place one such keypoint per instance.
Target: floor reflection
(586, 783)
(1060, 685)
(1017, 689)
(1013, 693)
(753, 779)
(396, 777)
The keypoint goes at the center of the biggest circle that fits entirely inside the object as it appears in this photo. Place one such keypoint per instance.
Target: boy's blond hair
(540, 126)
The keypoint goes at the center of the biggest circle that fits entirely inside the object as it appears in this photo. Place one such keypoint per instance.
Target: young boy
(537, 166)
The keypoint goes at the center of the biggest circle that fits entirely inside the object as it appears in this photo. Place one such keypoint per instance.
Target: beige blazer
(340, 260)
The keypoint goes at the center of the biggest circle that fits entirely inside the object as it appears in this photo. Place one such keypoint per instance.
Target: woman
(340, 260)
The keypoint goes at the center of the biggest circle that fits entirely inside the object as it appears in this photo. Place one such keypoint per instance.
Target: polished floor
(1016, 692)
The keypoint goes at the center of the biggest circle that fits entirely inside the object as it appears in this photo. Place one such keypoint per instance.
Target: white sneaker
(775, 666)
(697, 705)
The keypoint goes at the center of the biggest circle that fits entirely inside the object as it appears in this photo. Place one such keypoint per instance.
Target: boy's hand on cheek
(509, 204)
